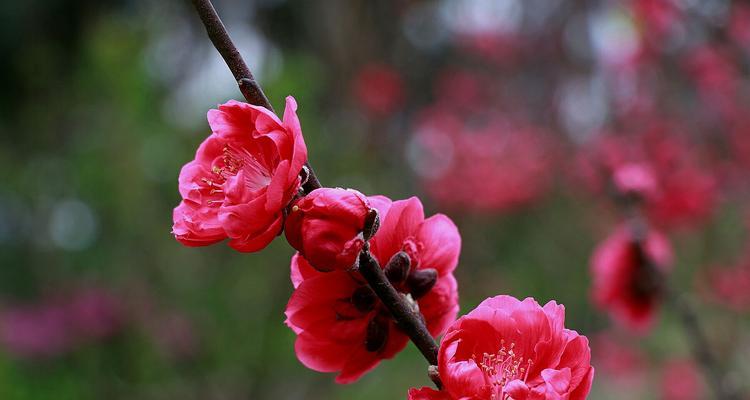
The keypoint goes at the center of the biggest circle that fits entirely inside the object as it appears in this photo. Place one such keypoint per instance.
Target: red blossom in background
(623, 283)
(379, 90)
(617, 360)
(739, 25)
(340, 324)
(242, 177)
(509, 164)
(683, 192)
(681, 380)
(326, 227)
(511, 349)
(729, 286)
(59, 324)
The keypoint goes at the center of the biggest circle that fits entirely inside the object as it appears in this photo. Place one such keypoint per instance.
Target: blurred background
(500, 113)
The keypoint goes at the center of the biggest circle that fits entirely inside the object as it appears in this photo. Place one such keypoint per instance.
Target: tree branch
(407, 318)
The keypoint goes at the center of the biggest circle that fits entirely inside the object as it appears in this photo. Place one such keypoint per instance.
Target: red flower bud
(326, 227)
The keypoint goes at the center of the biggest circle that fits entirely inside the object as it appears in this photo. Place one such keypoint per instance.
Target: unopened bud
(421, 281)
(397, 269)
(372, 223)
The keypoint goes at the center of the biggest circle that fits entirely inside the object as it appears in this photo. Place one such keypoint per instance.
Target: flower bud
(421, 281)
(397, 269)
(326, 227)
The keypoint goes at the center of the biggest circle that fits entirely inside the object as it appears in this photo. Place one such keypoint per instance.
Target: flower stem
(245, 80)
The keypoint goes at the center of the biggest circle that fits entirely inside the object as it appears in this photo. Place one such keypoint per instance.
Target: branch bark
(406, 315)
(408, 318)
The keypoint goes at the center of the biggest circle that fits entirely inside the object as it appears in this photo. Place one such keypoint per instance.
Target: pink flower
(739, 25)
(637, 179)
(326, 227)
(730, 286)
(95, 313)
(511, 349)
(623, 284)
(489, 166)
(619, 362)
(681, 380)
(379, 89)
(242, 177)
(340, 324)
(426, 393)
(59, 324)
(683, 192)
(36, 331)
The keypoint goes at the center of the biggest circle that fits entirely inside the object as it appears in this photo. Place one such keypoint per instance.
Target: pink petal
(442, 243)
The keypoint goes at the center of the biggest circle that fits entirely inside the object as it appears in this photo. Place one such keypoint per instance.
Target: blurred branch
(245, 80)
(723, 389)
(656, 281)
(407, 317)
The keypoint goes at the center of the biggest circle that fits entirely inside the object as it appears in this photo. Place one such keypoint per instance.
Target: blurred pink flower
(637, 179)
(59, 324)
(623, 284)
(242, 177)
(739, 25)
(459, 89)
(379, 90)
(36, 331)
(620, 362)
(730, 286)
(717, 79)
(681, 380)
(95, 313)
(659, 18)
(685, 192)
(490, 166)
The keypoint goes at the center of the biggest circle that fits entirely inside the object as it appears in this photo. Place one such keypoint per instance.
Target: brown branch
(223, 43)
(245, 80)
(408, 319)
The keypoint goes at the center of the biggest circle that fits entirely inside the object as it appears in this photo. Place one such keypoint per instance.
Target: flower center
(234, 160)
(503, 367)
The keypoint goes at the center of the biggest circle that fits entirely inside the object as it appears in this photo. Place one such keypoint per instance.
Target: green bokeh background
(97, 107)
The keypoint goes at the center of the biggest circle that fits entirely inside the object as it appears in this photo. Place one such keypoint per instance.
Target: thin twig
(408, 319)
(223, 43)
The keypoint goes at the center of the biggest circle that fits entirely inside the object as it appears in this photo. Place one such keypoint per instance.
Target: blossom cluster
(246, 185)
